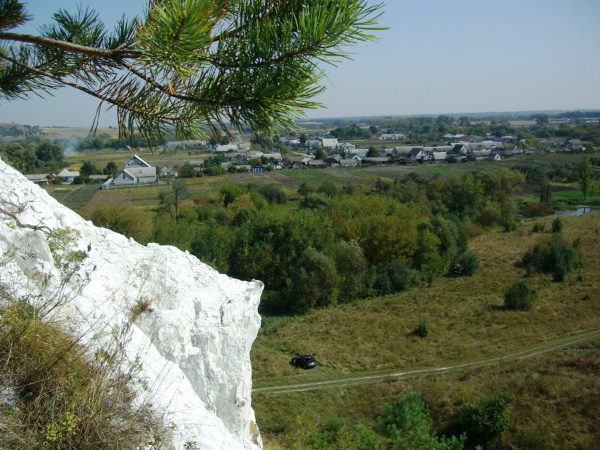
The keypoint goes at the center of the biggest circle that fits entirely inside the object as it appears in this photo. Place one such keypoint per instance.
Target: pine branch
(114, 54)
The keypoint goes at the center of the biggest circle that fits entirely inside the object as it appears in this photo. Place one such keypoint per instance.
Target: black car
(304, 361)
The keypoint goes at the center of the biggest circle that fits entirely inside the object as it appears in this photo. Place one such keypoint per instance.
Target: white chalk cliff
(193, 340)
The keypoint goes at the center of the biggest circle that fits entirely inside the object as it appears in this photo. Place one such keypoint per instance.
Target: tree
(88, 168)
(372, 152)
(230, 192)
(315, 280)
(46, 151)
(586, 175)
(186, 171)
(320, 154)
(408, 425)
(487, 418)
(111, 169)
(130, 221)
(187, 64)
(171, 200)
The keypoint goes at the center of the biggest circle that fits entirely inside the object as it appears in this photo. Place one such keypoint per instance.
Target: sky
(437, 57)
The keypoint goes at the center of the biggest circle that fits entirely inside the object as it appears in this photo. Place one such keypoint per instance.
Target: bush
(489, 216)
(273, 193)
(508, 224)
(408, 425)
(552, 255)
(519, 296)
(486, 419)
(536, 210)
(557, 225)
(465, 264)
(538, 227)
(423, 328)
(55, 396)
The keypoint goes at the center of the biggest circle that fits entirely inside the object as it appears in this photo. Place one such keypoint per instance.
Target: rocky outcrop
(190, 327)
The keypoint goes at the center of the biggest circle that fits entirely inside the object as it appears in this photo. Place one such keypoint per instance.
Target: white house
(392, 137)
(330, 143)
(136, 172)
(69, 175)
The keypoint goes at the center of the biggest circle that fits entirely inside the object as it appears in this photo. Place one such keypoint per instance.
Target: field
(468, 323)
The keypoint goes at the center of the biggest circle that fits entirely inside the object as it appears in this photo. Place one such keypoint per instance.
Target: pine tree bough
(193, 67)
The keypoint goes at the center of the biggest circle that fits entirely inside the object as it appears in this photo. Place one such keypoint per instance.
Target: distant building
(136, 172)
(68, 175)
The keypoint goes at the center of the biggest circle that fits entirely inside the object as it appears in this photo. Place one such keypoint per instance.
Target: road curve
(350, 380)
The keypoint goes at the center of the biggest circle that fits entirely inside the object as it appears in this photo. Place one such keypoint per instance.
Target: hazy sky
(439, 56)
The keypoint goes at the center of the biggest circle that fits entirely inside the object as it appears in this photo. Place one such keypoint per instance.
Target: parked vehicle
(304, 361)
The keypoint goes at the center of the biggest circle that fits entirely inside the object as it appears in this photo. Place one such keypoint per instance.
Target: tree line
(328, 243)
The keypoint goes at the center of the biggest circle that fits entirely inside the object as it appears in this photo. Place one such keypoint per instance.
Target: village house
(349, 163)
(136, 172)
(41, 179)
(392, 137)
(68, 175)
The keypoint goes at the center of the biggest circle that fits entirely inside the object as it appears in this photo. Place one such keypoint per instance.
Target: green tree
(186, 171)
(408, 425)
(315, 280)
(486, 418)
(111, 169)
(88, 168)
(372, 152)
(187, 63)
(46, 151)
(230, 192)
(586, 175)
(320, 154)
(170, 200)
(130, 221)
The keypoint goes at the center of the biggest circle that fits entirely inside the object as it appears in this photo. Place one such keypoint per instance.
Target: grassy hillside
(468, 323)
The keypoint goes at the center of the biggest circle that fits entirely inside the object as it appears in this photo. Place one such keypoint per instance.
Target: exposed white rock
(193, 341)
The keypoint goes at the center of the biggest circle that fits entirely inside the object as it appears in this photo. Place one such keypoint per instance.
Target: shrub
(557, 225)
(508, 224)
(59, 396)
(314, 201)
(337, 434)
(408, 425)
(536, 210)
(489, 216)
(423, 328)
(538, 227)
(465, 264)
(273, 193)
(552, 255)
(519, 296)
(486, 419)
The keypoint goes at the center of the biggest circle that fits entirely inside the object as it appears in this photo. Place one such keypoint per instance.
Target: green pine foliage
(186, 67)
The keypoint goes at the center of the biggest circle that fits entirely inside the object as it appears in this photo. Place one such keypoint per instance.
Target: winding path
(374, 377)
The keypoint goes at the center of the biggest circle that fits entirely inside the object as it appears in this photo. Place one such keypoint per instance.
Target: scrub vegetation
(55, 394)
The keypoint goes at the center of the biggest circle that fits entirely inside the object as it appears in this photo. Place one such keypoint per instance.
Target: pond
(576, 212)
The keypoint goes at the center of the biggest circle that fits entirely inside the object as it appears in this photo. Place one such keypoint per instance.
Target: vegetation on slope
(54, 394)
(553, 396)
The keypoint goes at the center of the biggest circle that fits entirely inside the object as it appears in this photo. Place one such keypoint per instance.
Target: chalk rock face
(190, 327)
